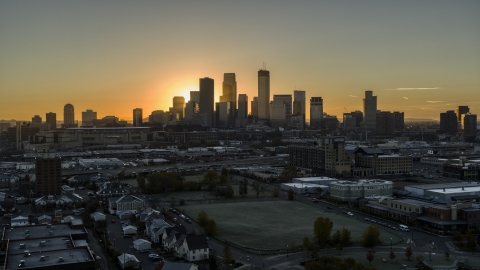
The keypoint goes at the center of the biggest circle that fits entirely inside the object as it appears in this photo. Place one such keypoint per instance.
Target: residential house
(108, 190)
(171, 235)
(19, 221)
(44, 219)
(124, 203)
(154, 229)
(129, 230)
(142, 244)
(126, 260)
(97, 216)
(194, 248)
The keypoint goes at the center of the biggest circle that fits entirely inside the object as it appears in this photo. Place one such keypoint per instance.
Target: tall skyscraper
(191, 108)
(469, 125)
(36, 119)
(278, 113)
(179, 106)
(287, 99)
(448, 122)
(222, 112)
(461, 110)
(195, 96)
(229, 90)
(370, 110)
(207, 99)
(316, 112)
(51, 120)
(68, 115)
(242, 111)
(299, 103)
(385, 123)
(87, 117)
(254, 107)
(137, 117)
(48, 173)
(264, 94)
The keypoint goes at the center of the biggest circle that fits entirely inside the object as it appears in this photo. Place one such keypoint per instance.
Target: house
(129, 230)
(124, 203)
(142, 244)
(108, 190)
(19, 221)
(194, 248)
(68, 219)
(170, 236)
(44, 219)
(150, 214)
(125, 214)
(154, 229)
(179, 266)
(63, 200)
(97, 216)
(128, 260)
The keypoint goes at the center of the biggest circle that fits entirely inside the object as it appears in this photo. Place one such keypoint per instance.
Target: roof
(125, 257)
(129, 227)
(195, 242)
(141, 241)
(176, 266)
(128, 198)
(44, 217)
(442, 222)
(97, 214)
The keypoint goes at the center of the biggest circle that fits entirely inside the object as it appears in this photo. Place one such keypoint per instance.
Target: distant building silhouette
(87, 117)
(264, 94)
(191, 108)
(229, 93)
(300, 104)
(207, 99)
(316, 112)
(370, 110)
(195, 96)
(287, 99)
(469, 125)
(137, 117)
(179, 106)
(448, 122)
(69, 116)
(242, 111)
(461, 110)
(278, 113)
(254, 108)
(222, 112)
(51, 120)
(36, 119)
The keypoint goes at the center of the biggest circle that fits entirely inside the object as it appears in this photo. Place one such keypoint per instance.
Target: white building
(321, 180)
(194, 248)
(124, 203)
(353, 190)
(97, 216)
(129, 230)
(142, 244)
(128, 260)
(19, 221)
(300, 188)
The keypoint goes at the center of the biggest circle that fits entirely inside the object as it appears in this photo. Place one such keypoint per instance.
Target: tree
(202, 218)
(457, 237)
(371, 236)
(471, 245)
(121, 175)
(258, 187)
(210, 177)
(370, 256)
(242, 188)
(141, 182)
(447, 255)
(8, 205)
(339, 247)
(291, 194)
(288, 174)
(224, 172)
(227, 254)
(346, 238)
(419, 258)
(319, 190)
(337, 237)
(322, 227)
(229, 192)
(211, 228)
(223, 179)
(392, 255)
(306, 243)
(408, 253)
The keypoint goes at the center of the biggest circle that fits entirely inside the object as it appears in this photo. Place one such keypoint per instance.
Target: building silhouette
(448, 122)
(48, 173)
(370, 110)
(469, 125)
(229, 91)
(263, 94)
(242, 111)
(36, 119)
(68, 116)
(179, 106)
(207, 99)
(137, 117)
(316, 112)
(51, 120)
(461, 110)
(195, 96)
(300, 104)
(254, 108)
(87, 117)
(278, 113)
(287, 100)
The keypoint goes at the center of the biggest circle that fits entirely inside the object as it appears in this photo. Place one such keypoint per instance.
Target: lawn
(274, 224)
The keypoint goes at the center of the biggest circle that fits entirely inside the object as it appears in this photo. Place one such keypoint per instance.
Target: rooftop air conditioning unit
(60, 259)
(22, 263)
(22, 246)
(42, 258)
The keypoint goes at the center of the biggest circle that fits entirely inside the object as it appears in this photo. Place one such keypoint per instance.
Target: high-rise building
(263, 94)
(448, 122)
(137, 117)
(370, 110)
(195, 96)
(222, 112)
(242, 111)
(68, 115)
(385, 123)
(178, 106)
(469, 125)
(349, 122)
(159, 117)
(207, 99)
(254, 107)
(461, 110)
(191, 108)
(357, 115)
(87, 117)
(316, 112)
(278, 115)
(36, 119)
(48, 173)
(300, 100)
(229, 90)
(399, 120)
(287, 99)
(51, 120)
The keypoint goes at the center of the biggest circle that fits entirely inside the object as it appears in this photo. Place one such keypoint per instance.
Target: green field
(274, 224)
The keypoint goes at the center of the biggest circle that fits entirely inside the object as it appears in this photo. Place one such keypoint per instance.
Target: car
(189, 221)
(350, 213)
(314, 200)
(307, 195)
(97, 257)
(367, 219)
(344, 212)
(157, 259)
(182, 216)
(144, 250)
(329, 207)
(153, 255)
(113, 220)
(127, 236)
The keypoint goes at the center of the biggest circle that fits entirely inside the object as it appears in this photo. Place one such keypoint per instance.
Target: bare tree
(258, 187)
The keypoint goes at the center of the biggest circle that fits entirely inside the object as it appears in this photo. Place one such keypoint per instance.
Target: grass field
(274, 224)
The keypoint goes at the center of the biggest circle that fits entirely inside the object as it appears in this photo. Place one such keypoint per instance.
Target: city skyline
(420, 58)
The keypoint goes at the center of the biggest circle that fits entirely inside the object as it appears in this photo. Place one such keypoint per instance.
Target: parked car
(329, 207)
(350, 213)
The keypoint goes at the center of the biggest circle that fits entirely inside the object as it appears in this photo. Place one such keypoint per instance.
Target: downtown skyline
(418, 57)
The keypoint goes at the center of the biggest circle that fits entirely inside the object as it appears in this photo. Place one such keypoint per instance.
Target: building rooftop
(37, 245)
(456, 190)
(40, 231)
(68, 256)
(446, 185)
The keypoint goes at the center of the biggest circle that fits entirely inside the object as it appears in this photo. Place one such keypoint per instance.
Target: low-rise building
(124, 203)
(108, 190)
(353, 190)
(97, 216)
(142, 244)
(127, 260)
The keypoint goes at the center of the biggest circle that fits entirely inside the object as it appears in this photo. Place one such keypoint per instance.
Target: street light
(391, 246)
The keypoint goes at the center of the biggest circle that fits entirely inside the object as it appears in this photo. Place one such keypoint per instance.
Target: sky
(419, 57)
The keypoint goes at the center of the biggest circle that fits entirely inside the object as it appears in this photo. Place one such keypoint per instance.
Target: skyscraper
(242, 106)
(195, 96)
(68, 115)
(254, 107)
(36, 119)
(264, 94)
(51, 120)
(287, 99)
(223, 117)
(278, 113)
(179, 106)
(316, 111)
(137, 117)
(48, 173)
(191, 108)
(469, 125)
(370, 110)
(299, 103)
(229, 90)
(461, 110)
(207, 99)
(448, 122)
(87, 117)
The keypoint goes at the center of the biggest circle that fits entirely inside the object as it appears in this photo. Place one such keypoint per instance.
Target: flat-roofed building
(48, 173)
(386, 164)
(354, 190)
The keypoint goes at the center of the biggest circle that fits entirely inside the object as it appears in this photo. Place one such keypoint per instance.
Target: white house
(195, 248)
(44, 219)
(179, 266)
(128, 260)
(19, 221)
(97, 216)
(128, 230)
(142, 244)
(126, 202)
(155, 228)
(171, 235)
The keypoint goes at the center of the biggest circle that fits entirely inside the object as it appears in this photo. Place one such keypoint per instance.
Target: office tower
(385, 123)
(469, 125)
(195, 96)
(223, 116)
(68, 115)
(316, 112)
(278, 114)
(87, 117)
(137, 117)
(229, 90)
(287, 99)
(461, 110)
(299, 103)
(191, 108)
(207, 99)
(178, 106)
(399, 120)
(263, 94)
(254, 106)
(349, 122)
(242, 111)
(159, 117)
(370, 110)
(48, 173)
(448, 122)
(51, 120)
(36, 119)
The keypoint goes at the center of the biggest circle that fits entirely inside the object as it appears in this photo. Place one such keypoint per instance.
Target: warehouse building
(353, 190)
